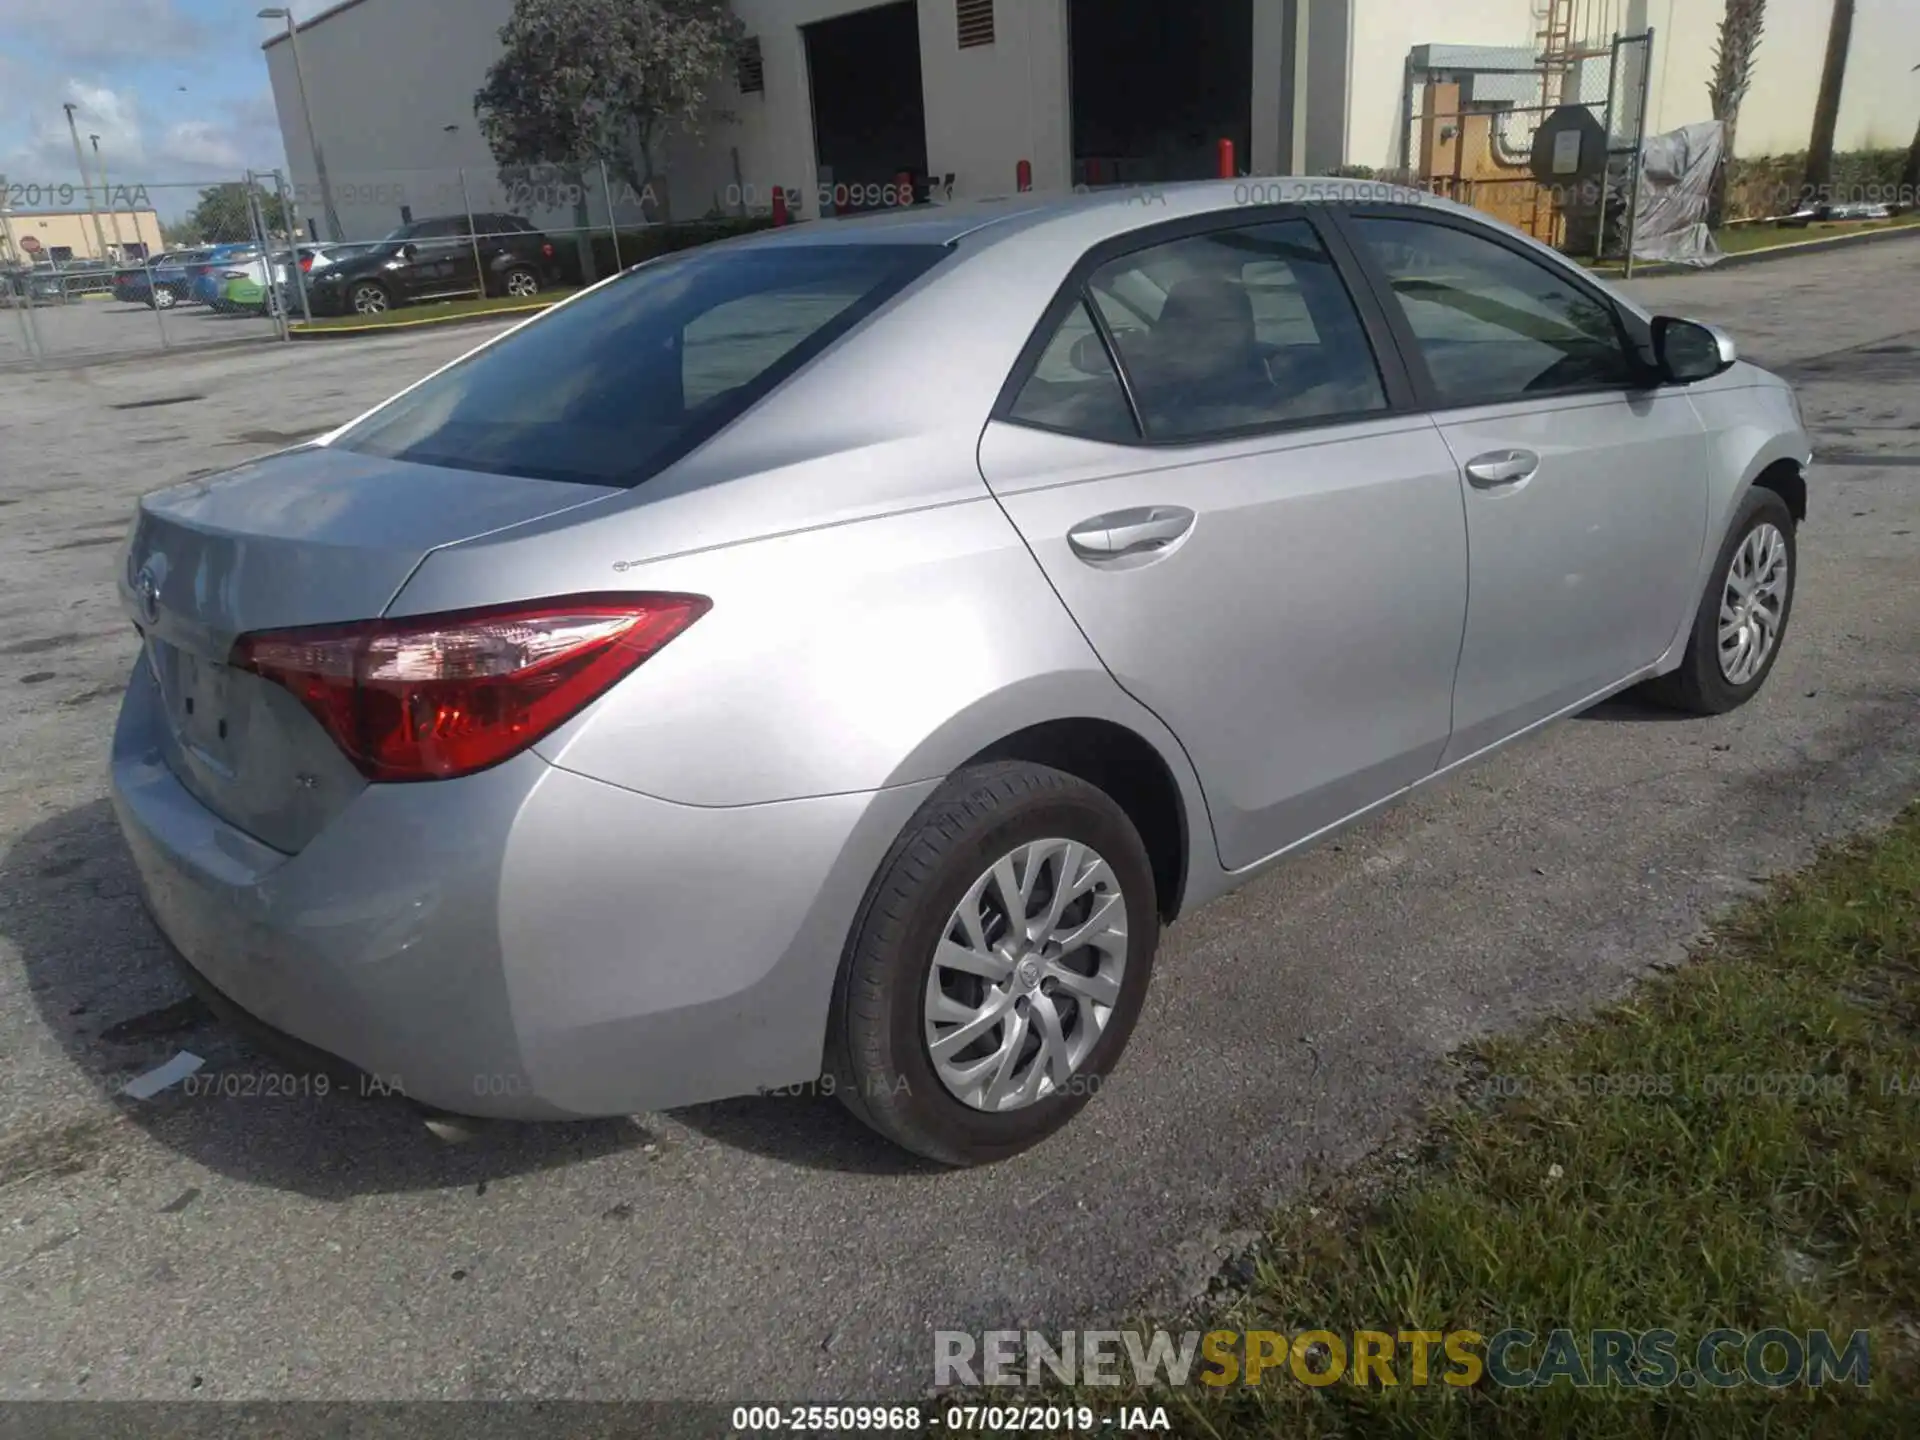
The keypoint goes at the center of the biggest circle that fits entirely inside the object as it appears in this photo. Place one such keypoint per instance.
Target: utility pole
(1826, 112)
(86, 182)
(280, 12)
(106, 192)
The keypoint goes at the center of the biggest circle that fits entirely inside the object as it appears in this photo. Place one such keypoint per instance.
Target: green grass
(410, 315)
(1746, 239)
(1540, 1198)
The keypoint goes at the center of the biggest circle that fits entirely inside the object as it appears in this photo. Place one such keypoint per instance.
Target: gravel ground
(759, 1250)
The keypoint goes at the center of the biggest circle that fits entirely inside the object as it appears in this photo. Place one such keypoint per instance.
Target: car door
(1585, 483)
(442, 260)
(1214, 456)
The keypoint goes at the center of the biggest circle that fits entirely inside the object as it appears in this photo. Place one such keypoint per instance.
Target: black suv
(436, 260)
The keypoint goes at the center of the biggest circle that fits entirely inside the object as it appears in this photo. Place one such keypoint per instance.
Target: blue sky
(176, 90)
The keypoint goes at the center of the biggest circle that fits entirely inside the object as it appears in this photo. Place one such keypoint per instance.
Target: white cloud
(192, 145)
(94, 32)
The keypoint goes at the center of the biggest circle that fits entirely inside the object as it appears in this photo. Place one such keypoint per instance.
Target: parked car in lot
(56, 283)
(132, 280)
(439, 259)
(207, 276)
(841, 651)
(171, 283)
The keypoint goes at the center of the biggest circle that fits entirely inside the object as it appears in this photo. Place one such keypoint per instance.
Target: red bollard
(779, 204)
(1023, 175)
(1227, 171)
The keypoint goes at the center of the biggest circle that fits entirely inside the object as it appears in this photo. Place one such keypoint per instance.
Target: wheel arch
(1126, 767)
(1787, 478)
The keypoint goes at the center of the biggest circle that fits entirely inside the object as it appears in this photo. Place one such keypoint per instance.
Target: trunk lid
(315, 536)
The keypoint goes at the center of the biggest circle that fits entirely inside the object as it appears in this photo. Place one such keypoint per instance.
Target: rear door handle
(1136, 535)
(1502, 467)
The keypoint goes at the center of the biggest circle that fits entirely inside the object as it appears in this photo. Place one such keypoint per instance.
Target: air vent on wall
(753, 75)
(976, 22)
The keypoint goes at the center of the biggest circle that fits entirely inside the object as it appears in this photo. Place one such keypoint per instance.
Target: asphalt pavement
(264, 1245)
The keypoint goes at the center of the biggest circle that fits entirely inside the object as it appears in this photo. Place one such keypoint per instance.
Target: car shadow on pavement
(1625, 709)
(109, 992)
(811, 1130)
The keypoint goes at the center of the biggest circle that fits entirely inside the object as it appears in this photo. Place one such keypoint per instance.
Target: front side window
(611, 388)
(1237, 330)
(1492, 324)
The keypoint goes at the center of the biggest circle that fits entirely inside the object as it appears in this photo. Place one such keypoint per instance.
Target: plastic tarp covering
(1676, 185)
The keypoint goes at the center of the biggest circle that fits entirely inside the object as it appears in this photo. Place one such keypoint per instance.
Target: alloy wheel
(370, 300)
(1753, 603)
(522, 283)
(1026, 975)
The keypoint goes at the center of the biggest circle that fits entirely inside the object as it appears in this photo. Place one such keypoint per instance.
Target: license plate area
(201, 704)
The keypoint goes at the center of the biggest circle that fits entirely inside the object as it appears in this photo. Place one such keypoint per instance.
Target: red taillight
(306, 264)
(547, 249)
(435, 696)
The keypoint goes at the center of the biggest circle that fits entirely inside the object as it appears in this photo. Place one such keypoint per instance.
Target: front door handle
(1502, 467)
(1135, 535)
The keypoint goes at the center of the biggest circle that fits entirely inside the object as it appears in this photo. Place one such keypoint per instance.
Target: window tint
(1075, 387)
(1492, 324)
(615, 386)
(725, 347)
(1238, 329)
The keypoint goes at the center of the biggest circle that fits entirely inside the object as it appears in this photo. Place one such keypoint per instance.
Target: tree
(1735, 53)
(222, 213)
(1826, 111)
(1910, 177)
(586, 82)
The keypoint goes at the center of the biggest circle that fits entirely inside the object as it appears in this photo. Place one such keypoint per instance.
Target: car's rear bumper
(526, 942)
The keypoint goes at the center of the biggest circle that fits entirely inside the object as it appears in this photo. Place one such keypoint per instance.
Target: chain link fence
(199, 274)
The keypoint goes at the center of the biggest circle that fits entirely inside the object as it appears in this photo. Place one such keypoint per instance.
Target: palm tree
(1741, 27)
(1826, 113)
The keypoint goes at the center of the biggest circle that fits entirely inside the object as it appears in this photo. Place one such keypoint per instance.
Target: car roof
(1116, 209)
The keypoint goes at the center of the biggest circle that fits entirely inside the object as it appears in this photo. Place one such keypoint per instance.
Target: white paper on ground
(145, 1087)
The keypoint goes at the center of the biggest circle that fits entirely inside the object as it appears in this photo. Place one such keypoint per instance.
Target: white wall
(386, 77)
(1882, 100)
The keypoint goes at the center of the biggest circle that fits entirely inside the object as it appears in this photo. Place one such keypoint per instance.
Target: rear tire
(369, 298)
(521, 283)
(1049, 1022)
(1717, 675)
(164, 299)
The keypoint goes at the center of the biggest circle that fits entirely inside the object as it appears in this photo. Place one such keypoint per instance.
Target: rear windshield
(617, 385)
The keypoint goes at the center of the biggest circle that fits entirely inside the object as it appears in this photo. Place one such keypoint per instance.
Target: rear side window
(1074, 388)
(615, 386)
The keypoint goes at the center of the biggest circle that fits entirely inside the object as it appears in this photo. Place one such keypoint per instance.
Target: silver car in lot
(841, 652)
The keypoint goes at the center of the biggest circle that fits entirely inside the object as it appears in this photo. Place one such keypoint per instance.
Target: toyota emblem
(146, 593)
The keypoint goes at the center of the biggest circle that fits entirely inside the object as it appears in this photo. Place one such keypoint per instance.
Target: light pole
(106, 192)
(86, 181)
(280, 12)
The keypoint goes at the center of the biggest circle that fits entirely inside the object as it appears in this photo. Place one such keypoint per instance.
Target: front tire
(1743, 617)
(998, 965)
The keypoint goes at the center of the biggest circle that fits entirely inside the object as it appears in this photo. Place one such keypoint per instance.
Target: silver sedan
(832, 658)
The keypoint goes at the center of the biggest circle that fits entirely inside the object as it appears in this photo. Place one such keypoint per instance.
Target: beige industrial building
(40, 236)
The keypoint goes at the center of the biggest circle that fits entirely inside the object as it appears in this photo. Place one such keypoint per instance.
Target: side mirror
(408, 250)
(1688, 351)
(1089, 356)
